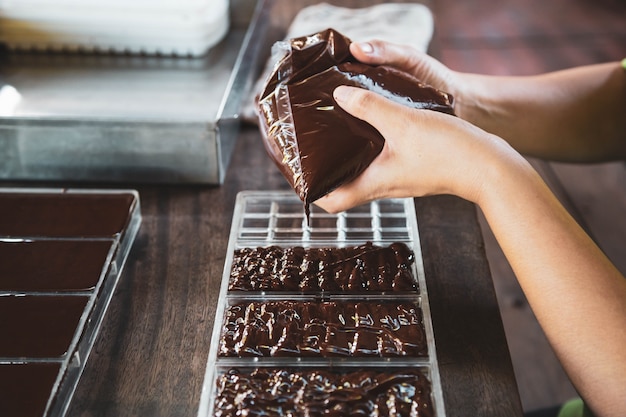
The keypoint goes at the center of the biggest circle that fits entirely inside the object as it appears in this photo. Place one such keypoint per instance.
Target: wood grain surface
(151, 353)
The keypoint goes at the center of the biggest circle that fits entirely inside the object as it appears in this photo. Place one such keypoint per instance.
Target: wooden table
(150, 356)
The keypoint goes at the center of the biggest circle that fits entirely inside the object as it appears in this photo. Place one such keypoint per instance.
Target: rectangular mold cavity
(366, 390)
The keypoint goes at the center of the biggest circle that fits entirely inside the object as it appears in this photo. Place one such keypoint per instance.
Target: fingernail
(341, 94)
(366, 47)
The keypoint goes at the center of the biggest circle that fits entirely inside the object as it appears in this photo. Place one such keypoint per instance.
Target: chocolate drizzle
(316, 145)
(323, 329)
(365, 267)
(290, 392)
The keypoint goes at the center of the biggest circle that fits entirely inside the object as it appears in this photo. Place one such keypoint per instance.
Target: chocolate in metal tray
(309, 320)
(61, 255)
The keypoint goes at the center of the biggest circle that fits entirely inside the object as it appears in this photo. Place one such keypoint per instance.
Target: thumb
(363, 104)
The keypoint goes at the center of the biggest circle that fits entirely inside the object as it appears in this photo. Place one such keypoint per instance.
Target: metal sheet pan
(125, 118)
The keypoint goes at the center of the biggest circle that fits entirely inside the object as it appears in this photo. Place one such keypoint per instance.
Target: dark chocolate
(52, 265)
(64, 214)
(312, 393)
(38, 326)
(26, 387)
(366, 267)
(323, 329)
(316, 145)
(55, 246)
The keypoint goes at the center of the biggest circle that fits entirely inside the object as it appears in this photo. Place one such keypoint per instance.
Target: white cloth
(410, 24)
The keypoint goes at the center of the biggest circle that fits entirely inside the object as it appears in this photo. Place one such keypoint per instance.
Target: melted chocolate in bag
(316, 145)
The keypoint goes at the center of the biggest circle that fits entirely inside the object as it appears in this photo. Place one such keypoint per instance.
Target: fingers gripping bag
(317, 145)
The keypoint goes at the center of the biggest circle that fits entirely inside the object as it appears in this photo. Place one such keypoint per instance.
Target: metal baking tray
(126, 118)
(55, 289)
(277, 219)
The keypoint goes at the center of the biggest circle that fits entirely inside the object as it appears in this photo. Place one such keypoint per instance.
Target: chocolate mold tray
(61, 255)
(338, 330)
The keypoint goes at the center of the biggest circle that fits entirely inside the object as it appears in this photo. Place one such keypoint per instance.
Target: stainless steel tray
(117, 118)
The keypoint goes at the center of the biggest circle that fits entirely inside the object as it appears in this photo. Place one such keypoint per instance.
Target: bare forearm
(576, 115)
(575, 292)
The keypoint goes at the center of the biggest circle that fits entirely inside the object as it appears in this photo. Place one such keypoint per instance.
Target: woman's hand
(405, 58)
(574, 115)
(425, 153)
(564, 275)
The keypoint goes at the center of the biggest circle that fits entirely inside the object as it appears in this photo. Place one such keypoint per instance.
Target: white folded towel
(410, 24)
(166, 27)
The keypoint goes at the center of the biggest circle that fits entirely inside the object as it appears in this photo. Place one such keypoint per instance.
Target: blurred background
(524, 37)
(511, 37)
